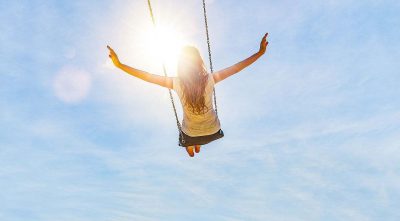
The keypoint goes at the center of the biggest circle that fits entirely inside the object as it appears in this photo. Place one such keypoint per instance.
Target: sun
(164, 42)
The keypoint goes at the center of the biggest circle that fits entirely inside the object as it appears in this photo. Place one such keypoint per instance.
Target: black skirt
(200, 140)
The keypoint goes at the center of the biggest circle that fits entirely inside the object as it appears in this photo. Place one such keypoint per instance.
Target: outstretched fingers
(263, 44)
(264, 40)
(111, 51)
(109, 48)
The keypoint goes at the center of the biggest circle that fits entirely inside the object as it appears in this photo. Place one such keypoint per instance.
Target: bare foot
(197, 148)
(189, 149)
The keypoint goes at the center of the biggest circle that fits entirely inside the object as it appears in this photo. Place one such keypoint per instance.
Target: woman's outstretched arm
(152, 78)
(222, 74)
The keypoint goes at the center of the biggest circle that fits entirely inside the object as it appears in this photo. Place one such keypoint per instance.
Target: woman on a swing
(194, 87)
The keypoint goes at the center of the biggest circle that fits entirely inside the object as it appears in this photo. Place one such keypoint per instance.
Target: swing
(185, 140)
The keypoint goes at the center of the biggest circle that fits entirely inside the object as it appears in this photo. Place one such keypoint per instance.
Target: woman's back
(194, 124)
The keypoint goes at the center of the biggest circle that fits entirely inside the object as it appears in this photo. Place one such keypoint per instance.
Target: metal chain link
(178, 124)
(209, 54)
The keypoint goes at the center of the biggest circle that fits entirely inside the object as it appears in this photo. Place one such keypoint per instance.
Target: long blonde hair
(193, 76)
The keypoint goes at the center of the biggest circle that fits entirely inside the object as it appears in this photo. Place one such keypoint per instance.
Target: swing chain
(209, 53)
(178, 124)
(211, 68)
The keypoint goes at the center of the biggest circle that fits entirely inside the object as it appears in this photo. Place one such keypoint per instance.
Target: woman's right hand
(114, 57)
(263, 44)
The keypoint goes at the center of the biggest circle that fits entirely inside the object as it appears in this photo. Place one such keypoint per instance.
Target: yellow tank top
(194, 124)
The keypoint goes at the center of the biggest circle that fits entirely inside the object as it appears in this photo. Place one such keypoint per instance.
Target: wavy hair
(193, 76)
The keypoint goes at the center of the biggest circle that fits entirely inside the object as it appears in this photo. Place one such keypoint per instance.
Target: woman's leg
(189, 149)
(197, 148)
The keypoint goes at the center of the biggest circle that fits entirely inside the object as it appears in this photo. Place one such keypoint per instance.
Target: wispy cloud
(311, 128)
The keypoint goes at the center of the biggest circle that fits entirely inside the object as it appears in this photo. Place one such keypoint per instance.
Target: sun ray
(164, 42)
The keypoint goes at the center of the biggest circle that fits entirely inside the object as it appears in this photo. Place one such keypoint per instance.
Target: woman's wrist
(118, 64)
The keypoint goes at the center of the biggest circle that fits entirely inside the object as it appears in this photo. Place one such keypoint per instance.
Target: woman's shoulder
(211, 78)
(175, 83)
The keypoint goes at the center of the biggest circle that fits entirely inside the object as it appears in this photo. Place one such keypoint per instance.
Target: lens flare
(165, 43)
(71, 85)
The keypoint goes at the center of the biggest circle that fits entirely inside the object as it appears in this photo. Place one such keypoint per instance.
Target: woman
(194, 87)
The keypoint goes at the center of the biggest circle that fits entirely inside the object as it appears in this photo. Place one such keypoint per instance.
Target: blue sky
(311, 129)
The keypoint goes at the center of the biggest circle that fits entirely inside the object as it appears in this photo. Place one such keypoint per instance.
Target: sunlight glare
(164, 43)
